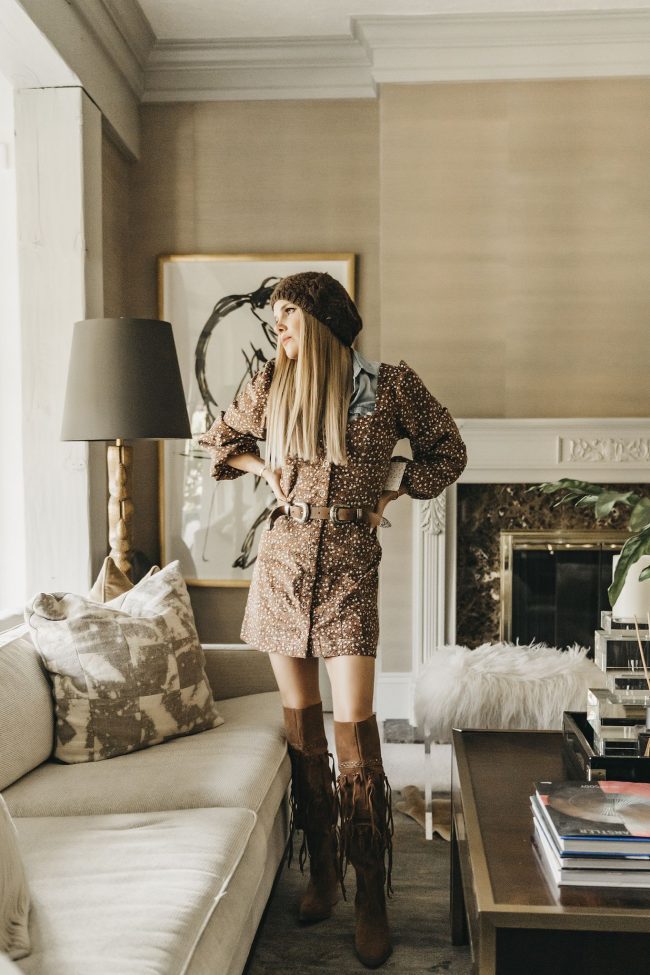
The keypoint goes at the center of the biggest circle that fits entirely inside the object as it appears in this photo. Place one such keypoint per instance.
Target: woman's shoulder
(398, 372)
(405, 382)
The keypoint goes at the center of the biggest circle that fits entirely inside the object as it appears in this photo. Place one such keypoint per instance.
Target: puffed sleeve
(238, 429)
(439, 453)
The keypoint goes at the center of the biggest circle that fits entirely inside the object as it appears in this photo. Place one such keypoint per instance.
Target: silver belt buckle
(334, 514)
(306, 511)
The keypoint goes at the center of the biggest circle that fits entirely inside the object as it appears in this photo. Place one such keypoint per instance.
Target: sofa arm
(235, 672)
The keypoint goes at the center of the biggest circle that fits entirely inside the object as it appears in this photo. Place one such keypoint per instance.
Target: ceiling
(248, 19)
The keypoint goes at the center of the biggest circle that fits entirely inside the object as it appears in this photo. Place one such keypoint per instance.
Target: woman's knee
(297, 680)
(352, 679)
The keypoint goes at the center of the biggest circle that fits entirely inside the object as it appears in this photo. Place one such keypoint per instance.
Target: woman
(330, 419)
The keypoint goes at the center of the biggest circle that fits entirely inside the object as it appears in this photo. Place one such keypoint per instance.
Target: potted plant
(588, 495)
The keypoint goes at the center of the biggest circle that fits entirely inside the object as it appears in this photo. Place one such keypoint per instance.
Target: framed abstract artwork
(218, 306)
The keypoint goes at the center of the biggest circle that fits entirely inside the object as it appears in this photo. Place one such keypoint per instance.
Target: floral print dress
(314, 586)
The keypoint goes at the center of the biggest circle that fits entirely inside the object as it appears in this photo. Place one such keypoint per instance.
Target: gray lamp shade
(124, 382)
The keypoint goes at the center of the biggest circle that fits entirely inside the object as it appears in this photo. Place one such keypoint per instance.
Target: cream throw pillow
(14, 894)
(126, 674)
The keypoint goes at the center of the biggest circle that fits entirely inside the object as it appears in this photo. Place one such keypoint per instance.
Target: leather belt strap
(338, 513)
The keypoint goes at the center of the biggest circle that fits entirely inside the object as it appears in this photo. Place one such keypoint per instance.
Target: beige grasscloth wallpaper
(502, 238)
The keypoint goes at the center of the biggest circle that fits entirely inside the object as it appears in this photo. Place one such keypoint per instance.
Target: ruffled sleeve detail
(439, 453)
(238, 429)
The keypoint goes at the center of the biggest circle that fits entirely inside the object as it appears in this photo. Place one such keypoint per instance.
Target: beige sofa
(160, 861)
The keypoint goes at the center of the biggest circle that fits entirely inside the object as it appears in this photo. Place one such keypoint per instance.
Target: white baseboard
(394, 695)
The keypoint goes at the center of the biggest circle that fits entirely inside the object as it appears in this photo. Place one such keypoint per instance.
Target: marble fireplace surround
(510, 451)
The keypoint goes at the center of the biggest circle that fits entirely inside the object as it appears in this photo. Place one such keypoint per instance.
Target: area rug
(412, 804)
(418, 914)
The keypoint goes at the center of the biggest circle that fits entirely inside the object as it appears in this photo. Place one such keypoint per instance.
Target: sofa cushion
(132, 894)
(243, 763)
(126, 674)
(14, 892)
(26, 708)
(244, 922)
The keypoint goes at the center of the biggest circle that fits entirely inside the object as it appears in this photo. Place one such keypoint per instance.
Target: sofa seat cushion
(132, 894)
(242, 764)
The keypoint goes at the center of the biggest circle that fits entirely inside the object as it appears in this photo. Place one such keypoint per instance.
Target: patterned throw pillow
(126, 674)
(15, 901)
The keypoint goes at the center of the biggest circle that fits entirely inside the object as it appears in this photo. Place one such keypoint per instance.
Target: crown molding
(265, 68)
(381, 49)
(125, 35)
(506, 46)
(134, 28)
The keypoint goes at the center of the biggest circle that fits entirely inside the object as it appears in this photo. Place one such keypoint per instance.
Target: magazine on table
(602, 817)
(617, 872)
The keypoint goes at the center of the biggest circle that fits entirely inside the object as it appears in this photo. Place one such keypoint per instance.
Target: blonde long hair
(307, 405)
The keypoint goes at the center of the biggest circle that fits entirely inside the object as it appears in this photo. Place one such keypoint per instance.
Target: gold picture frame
(217, 305)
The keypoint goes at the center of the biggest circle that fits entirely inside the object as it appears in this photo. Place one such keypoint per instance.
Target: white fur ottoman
(502, 685)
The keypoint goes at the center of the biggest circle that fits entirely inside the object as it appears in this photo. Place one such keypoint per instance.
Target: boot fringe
(371, 793)
(306, 802)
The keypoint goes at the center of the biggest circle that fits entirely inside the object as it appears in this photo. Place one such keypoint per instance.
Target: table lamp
(124, 383)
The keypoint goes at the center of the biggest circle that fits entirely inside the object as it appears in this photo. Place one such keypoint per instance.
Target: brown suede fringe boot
(313, 810)
(366, 833)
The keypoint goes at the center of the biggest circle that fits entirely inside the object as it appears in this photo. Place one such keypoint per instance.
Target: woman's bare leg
(352, 679)
(297, 679)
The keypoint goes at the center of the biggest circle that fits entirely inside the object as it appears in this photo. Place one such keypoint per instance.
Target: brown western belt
(340, 514)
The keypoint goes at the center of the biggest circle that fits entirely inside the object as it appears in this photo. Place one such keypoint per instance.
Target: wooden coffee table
(518, 922)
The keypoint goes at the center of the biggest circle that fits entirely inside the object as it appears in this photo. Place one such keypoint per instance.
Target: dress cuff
(395, 473)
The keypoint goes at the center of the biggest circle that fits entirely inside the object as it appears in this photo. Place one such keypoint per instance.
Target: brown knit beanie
(322, 296)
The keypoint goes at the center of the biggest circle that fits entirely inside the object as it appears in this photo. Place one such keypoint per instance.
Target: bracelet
(264, 468)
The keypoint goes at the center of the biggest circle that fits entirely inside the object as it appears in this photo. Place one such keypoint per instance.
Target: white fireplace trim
(533, 449)
(429, 544)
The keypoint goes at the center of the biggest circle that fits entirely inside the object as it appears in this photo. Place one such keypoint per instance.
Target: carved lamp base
(120, 506)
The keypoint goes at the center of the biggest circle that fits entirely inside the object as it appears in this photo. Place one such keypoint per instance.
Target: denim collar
(360, 363)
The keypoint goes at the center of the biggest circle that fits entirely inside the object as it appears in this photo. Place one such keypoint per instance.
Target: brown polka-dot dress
(314, 586)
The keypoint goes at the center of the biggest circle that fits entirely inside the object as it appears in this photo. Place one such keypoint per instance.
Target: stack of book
(593, 834)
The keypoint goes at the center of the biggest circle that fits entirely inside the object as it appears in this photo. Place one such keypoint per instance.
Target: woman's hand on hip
(272, 478)
(385, 499)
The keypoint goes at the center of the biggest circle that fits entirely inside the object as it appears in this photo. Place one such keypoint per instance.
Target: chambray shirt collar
(360, 363)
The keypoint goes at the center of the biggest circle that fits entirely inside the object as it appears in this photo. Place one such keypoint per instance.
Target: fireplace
(529, 571)
(553, 584)
(458, 538)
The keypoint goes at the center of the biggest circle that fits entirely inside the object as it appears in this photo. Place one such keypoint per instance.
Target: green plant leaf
(567, 483)
(587, 500)
(607, 500)
(634, 548)
(640, 515)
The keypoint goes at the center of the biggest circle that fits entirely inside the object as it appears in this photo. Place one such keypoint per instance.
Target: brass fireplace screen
(554, 584)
